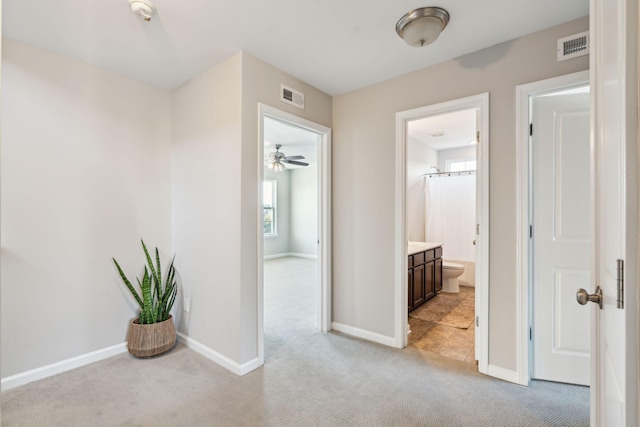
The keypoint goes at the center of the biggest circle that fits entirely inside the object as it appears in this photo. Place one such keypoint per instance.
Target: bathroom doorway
(443, 202)
(441, 210)
(294, 223)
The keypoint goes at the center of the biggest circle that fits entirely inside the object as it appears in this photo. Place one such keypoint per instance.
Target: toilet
(450, 273)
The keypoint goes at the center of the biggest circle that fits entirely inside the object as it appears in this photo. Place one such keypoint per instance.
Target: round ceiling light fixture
(422, 26)
(143, 8)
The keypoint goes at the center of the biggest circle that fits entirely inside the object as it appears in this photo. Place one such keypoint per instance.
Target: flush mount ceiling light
(143, 8)
(422, 26)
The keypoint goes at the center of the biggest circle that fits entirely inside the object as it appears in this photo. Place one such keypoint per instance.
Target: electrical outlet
(187, 305)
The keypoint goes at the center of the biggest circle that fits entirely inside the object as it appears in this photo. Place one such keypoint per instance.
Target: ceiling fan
(277, 158)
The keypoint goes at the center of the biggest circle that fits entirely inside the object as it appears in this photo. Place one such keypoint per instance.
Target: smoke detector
(143, 8)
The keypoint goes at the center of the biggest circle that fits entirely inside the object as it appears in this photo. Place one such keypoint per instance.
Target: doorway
(554, 226)
(477, 107)
(441, 209)
(294, 259)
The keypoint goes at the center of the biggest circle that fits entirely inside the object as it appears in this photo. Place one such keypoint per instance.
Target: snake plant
(156, 296)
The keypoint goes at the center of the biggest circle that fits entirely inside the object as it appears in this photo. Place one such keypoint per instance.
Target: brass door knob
(584, 297)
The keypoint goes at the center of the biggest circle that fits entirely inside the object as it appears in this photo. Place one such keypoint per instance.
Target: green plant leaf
(128, 284)
(157, 280)
(159, 274)
(147, 298)
(171, 301)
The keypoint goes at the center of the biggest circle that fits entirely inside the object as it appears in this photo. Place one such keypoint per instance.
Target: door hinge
(530, 129)
(477, 321)
(478, 229)
(531, 231)
(530, 334)
(478, 136)
(620, 283)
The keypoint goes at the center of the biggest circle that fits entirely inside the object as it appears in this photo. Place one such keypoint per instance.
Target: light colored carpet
(455, 310)
(289, 302)
(310, 380)
(325, 380)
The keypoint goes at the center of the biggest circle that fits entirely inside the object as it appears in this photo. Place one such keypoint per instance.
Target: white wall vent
(290, 96)
(573, 46)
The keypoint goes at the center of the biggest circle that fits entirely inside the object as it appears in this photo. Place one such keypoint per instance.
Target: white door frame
(480, 102)
(523, 221)
(323, 307)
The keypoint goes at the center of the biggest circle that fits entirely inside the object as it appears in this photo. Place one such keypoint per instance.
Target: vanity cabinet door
(410, 288)
(417, 285)
(438, 274)
(429, 282)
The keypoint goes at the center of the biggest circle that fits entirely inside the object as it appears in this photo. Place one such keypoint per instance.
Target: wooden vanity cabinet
(429, 281)
(417, 285)
(438, 274)
(424, 278)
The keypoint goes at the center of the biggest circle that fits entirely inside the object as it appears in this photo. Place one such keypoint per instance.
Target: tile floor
(448, 341)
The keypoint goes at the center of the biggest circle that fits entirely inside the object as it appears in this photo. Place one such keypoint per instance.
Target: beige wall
(85, 176)
(364, 176)
(205, 175)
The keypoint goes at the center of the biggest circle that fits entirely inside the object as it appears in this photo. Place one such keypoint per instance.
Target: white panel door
(614, 80)
(561, 221)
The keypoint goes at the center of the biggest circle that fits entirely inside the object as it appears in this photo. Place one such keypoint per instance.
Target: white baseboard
(308, 256)
(284, 255)
(220, 359)
(59, 367)
(251, 365)
(365, 335)
(504, 374)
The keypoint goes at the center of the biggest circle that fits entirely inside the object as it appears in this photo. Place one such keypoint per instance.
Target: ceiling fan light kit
(277, 166)
(143, 8)
(277, 159)
(422, 26)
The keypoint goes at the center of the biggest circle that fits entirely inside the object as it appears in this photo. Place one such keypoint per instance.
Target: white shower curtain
(450, 215)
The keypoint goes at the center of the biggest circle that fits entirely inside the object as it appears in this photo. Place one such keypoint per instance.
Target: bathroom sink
(415, 247)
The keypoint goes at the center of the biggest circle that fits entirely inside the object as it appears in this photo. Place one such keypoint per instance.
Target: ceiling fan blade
(295, 157)
(293, 162)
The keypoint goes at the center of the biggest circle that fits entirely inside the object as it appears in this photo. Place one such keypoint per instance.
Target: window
(461, 165)
(269, 207)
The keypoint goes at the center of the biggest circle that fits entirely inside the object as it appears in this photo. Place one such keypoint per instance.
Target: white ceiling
(334, 45)
(445, 131)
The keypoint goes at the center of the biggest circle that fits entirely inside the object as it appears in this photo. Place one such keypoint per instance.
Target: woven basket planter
(152, 339)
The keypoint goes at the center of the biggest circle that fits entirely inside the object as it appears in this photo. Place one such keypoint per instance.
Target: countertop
(415, 247)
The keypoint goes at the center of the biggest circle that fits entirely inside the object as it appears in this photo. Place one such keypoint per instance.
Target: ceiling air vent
(573, 46)
(292, 97)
